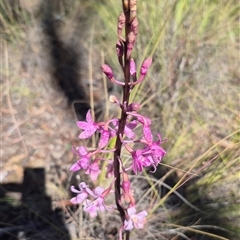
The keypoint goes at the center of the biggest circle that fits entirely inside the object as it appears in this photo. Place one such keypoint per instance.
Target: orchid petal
(82, 151)
(75, 167)
(89, 117)
(104, 139)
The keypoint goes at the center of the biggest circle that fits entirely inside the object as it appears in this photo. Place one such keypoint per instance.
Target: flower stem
(123, 118)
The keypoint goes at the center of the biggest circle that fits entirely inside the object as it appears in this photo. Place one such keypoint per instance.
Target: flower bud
(107, 71)
(145, 66)
(121, 23)
(131, 39)
(119, 48)
(144, 69)
(133, 107)
(133, 9)
(113, 99)
(133, 5)
(130, 43)
(134, 26)
(132, 67)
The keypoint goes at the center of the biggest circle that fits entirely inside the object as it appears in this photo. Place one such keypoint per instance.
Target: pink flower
(83, 162)
(157, 152)
(146, 122)
(139, 161)
(89, 126)
(128, 130)
(92, 207)
(93, 170)
(104, 139)
(154, 151)
(82, 194)
(136, 220)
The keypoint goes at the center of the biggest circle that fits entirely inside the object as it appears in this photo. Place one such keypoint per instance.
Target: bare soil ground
(38, 126)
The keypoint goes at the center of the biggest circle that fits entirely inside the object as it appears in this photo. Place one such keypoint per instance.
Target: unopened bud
(121, 23)
(133, 9)
(132, 67)
(144, 69)
(134, 26)
(145, 66)
(133, 107)
(133, 5)
(131, 39)
(119, 48)
(107, 71)
(130, 43)
(112, 98)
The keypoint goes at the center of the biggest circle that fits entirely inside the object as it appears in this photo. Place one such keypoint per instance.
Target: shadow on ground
(33, 217)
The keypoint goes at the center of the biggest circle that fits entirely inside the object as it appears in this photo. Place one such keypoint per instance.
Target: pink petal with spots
(131, 210)
(98, 191)
(75, 167)
(83, 162)
(73, 189)
(147, 134)
(87, 133)
(129, 133)
(104, 139)
(79, 198)
(82, 151)
(89, 117)
(128, 225)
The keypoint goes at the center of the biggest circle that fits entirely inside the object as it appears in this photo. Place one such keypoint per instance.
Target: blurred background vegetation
(191, 93)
